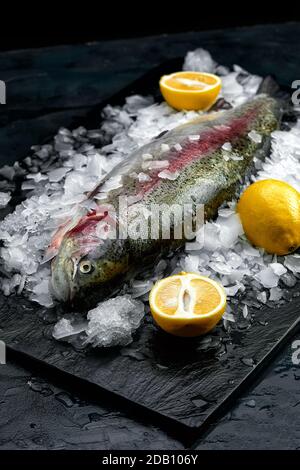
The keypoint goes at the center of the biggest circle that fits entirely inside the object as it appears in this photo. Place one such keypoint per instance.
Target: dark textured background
(48, 88)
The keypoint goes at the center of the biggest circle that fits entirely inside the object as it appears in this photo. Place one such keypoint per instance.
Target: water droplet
(200, 403)
(251, 403)
(248, 361)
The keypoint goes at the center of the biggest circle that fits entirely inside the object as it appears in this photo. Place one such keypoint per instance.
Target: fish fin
(56, 240)
(58, 236)
(95, 190)
(120, 168)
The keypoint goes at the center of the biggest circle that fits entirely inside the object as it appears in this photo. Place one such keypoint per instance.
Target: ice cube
(245, 311)
(193, 246)
(236, 158)
(41, 293)
(165, 148)
(114, 321)
(255, 137)
(191, 263)
(169, 175)
(221, 268)
(230, 230)
(262, 297)
(64, 329)
(278, 269)
(58, 174)
(227, 146)
(232, 91)
(267, 277)
(233, 259)
(37, 177)
(199, 60)
(292, 262)
(4, 199)
(178, 147)
(231, 291)
(250, 251)
(275, 294)
(229, 317)
(209, 235)
(147, 156)
(140, 288)
(289, 279)
(155, 164)
(9, 285)
(7, 172)
(136, 102)
(143, 177)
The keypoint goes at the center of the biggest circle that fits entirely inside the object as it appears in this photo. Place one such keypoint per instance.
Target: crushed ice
(4, 199)
(114, 321)
(56, 177)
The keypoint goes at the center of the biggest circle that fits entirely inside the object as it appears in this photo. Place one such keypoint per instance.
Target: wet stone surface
(36, 414)
(192, 385)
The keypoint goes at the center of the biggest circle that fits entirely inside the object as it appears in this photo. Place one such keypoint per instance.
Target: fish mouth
(62, 279)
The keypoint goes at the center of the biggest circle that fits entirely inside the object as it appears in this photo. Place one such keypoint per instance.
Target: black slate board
(172, 377)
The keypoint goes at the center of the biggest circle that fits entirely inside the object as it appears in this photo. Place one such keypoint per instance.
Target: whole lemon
(270, 214)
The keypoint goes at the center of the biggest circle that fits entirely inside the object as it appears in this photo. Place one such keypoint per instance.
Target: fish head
(87, 262)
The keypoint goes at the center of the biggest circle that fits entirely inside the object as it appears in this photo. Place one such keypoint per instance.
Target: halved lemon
(190, 90)
(187, 304)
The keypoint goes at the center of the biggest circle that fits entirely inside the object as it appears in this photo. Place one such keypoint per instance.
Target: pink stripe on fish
(87, 224)
(210, 141)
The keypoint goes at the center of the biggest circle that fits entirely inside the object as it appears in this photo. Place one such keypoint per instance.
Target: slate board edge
(227, 403)
(192, 434)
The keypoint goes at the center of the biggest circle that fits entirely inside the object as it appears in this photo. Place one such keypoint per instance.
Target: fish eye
(85, 267)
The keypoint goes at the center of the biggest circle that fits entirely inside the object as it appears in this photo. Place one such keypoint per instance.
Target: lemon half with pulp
(190, 90)
(187, 304)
